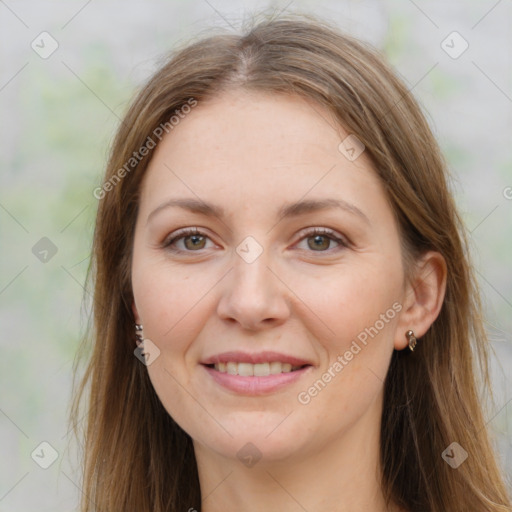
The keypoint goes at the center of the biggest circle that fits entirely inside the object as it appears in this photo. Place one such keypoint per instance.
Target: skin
(252, 153)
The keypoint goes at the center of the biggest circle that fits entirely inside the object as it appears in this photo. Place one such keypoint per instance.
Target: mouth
(255, 374)
(255, 370)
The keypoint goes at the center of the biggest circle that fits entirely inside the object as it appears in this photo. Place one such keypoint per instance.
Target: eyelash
(186, 232)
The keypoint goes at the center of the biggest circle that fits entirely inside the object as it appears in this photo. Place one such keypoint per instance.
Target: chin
(269, 439)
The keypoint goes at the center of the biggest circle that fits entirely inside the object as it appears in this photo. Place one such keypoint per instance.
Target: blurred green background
(60, 111)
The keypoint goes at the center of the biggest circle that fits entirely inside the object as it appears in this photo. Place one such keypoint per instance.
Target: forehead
(258, 128)
(249, 151)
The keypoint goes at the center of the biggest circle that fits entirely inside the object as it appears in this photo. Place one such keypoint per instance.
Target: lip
(254, 386)
(256, 358)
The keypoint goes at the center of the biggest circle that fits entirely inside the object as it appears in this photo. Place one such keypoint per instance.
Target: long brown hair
(135, 456)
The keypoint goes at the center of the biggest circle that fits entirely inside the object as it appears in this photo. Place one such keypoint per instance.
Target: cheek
(172, 305)
(351, 381)
(356, 313)
(169, 302)
(344, 301)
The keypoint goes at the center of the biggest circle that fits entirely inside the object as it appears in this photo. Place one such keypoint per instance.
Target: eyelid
(341, 240)
(183, 233)
(314, 230)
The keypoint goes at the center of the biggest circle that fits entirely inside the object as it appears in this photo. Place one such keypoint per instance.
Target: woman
(285, 314)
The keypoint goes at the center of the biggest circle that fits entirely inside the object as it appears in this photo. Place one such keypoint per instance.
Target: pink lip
(259, 357)
(255, 385)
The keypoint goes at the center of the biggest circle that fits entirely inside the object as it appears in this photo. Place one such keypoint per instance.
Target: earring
(411, 339)
(138, 334)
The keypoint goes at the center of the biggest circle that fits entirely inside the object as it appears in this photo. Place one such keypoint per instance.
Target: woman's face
(258, 291)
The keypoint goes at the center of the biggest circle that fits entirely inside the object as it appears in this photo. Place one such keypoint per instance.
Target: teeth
(257, 370)
(275, 367)
(245, 369)
(262, 369)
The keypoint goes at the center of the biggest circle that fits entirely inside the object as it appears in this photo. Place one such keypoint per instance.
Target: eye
(193, 240)
(319, 239)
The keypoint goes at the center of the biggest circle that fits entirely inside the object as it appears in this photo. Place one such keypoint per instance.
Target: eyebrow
(287, 211)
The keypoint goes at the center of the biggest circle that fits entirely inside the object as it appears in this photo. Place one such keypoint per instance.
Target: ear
(424, 296)
(135, 313)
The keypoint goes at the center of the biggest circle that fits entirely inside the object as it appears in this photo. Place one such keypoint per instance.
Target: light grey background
(58, 115)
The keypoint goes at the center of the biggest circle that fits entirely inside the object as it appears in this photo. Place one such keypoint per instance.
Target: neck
(342, 475)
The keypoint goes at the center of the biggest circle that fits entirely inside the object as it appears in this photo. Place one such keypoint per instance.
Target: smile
(256, 370)
(255, 374)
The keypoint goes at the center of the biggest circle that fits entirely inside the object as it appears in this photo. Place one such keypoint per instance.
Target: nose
(253, 295)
